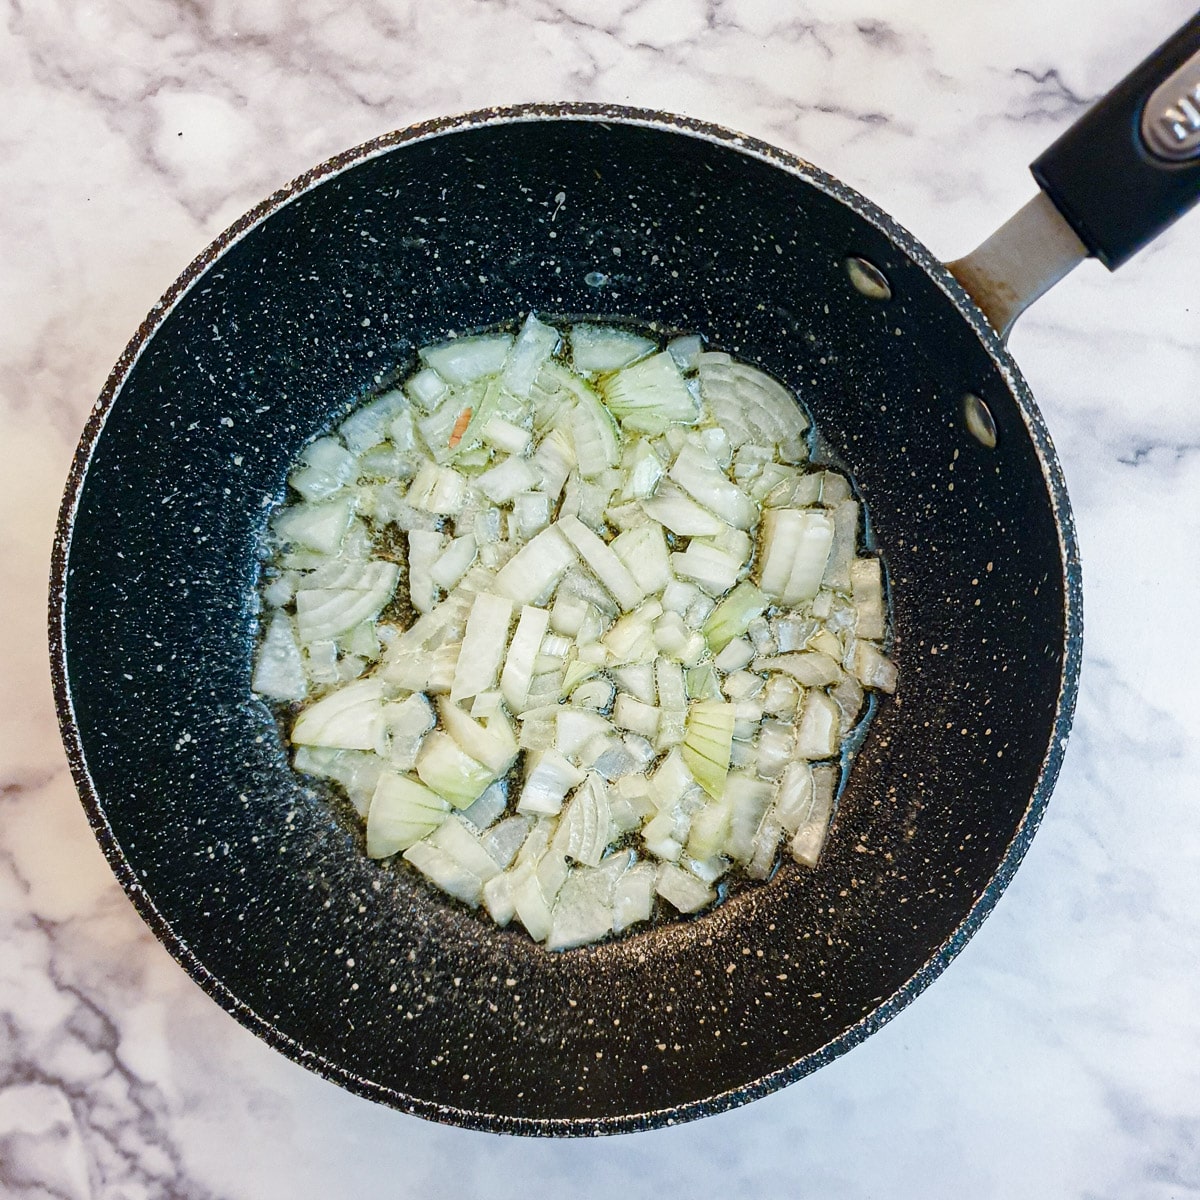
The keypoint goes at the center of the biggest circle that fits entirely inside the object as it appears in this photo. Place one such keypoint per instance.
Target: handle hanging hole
(868, 278)
(981, 425)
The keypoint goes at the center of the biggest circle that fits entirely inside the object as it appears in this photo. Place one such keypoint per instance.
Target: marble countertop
(1060, 1054)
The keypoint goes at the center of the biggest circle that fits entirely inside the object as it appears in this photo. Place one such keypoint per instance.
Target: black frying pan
(250, 877)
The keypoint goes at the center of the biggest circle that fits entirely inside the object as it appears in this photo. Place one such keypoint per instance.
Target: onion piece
(531, 513)
(453, 562)
(809, 838)
(595, 434)
(810, 668)
(483, 646)
(505, 481)
(504, 838)
(548, 778)
(464, 360)
(493, 743)
(732, 617)
(358, 771)
(350, 718)
(584, 828)
(318, 527)
(609, 569)
(424, 549)
(438, 489)
(635, 716)
(446, 872)
(522, 652)
(402, 812)
(446, 768)
(707, 744)
(818, 734)
(709, 830)
(426, 389)
(716, 571)
(642, 470)
(599, 348)
(795, 551)
(866, 582)
(328, 467)
(575, 726)
(673, 507)
(323, 614)
(534, 345)
(407, 722)
(278, 670)
(682, 889)
(533, 572)
(748, 801)
(708, 484)
(643, 551)
(650, 395)
(873, 668)
(633, 896)
(373, 423)
(464, 846)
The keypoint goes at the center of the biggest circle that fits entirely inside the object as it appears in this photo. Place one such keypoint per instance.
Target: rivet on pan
(980, 423)
(868, 279)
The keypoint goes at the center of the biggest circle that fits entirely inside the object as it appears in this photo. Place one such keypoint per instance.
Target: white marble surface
(1060, 1055)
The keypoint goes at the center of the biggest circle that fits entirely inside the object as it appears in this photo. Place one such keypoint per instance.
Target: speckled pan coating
(257, 886)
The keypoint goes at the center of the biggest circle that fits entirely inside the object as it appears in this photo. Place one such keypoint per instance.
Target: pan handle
(1124, 172)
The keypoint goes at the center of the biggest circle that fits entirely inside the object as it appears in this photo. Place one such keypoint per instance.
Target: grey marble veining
(1060, 1054)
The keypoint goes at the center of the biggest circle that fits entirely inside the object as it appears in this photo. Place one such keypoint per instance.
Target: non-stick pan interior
(252, 879)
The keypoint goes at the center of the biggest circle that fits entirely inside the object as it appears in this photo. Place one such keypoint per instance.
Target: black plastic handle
(1130, 166)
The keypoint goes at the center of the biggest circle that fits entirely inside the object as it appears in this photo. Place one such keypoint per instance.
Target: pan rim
(1014, 852)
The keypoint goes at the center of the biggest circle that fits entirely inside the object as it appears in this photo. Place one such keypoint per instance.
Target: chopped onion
(608, 567)
(708, 484)
(522, 652)
(350, 718)
(464, 360)
(504, 482)
(672, 507)
(649, 688)
(323, 614)
(534, 345)
(318, 527)
(873, 668)
(707, 744)
(446, 872)
(795, 551)
(866, 582)
(532, 573)
(818, 734)
(407, 722)
(328, 467)
(650, 395)
(583, 830)
(547, 781)
(279, 670)
(810, 668)
(733, 616)
(447, 769)
(682, 889)
(598, 348)
(452, 564)
(809, 838)
(633, 896)
(483, 646)
(748, 801)
(402, 812)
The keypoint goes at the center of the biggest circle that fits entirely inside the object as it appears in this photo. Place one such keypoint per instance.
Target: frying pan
(250, 875)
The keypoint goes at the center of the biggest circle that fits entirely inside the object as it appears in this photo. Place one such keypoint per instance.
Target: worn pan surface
(250, 877)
